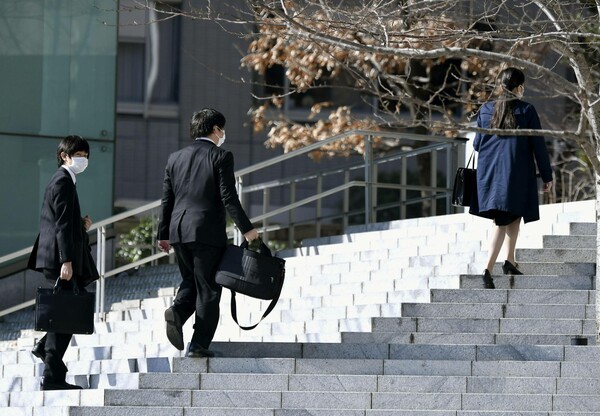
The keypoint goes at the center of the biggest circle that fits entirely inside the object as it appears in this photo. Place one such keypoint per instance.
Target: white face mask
(79, 164)
(221, 140)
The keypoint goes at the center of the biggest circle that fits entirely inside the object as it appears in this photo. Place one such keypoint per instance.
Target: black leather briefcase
(65, 310)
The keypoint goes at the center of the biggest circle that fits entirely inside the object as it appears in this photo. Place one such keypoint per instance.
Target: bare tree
(428, 64)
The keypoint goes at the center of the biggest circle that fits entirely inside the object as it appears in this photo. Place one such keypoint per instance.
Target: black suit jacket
(199, 185)
(62, 236)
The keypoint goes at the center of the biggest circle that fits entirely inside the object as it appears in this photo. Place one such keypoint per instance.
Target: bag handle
(58, 286)
(471, 157)
(262, 249)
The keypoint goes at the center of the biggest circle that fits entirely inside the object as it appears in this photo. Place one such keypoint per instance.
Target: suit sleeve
(477, 140)
(229, 194)
(167, 202)
(63, 203)
(540, 151)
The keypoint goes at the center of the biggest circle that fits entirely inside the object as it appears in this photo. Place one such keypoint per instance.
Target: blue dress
(506, 166)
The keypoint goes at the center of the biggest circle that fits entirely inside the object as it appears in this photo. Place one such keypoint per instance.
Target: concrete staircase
(389, 320)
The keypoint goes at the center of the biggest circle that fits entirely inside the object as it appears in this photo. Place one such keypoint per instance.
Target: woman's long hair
(504, 116)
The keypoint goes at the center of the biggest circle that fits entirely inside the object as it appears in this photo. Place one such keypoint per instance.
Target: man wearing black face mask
(199, 186)
(60, 250)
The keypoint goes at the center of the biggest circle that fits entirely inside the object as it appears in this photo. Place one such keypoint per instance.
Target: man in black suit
(199, 186)
(59, 250)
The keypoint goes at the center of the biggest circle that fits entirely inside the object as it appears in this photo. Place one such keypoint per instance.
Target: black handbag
(65, 310)
(252, 273)
(465, 185)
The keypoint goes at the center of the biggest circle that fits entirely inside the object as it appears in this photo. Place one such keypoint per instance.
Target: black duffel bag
(252, 273)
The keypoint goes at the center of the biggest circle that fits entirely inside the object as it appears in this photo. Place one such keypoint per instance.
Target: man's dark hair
(71, 145)
(204, 121)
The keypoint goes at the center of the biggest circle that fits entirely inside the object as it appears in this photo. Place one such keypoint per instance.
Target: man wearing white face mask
(198, 188)
(60, 249)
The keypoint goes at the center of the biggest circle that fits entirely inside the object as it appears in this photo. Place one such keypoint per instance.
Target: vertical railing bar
(319, 205)
(433, 184)
(99, 268)
(368, 179)
(291, 225)
(239, 184)
(449, 150)
(403, 179)
(375, 191)
(346, 207)
(266, 203)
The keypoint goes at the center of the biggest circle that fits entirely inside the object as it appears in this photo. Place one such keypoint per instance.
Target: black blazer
(62, 236)
(199, 185)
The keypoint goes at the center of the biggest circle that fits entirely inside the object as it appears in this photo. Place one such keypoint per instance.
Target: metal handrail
(368, 184)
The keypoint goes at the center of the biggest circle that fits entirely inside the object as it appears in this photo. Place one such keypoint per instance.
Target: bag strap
(471, 158)
(268, 311)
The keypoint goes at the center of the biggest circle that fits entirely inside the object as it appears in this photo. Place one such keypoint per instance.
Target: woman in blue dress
(507, 188)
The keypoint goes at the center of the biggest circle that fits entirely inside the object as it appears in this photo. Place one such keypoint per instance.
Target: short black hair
(71, 145)
(204, 121)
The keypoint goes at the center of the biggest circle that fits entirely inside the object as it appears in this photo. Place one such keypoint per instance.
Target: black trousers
(198, 293)
(56, 344)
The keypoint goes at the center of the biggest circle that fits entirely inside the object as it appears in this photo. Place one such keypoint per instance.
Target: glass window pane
(57, 67)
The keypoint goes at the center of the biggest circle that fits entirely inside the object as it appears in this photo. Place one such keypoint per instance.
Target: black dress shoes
(174, 328)
(198, 351)
(488, 282)
(39, 350)
(508, 268)
(48, 384)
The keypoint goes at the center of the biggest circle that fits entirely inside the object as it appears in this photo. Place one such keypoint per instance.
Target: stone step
(81, 367)
(583, 228)
(524, 296)
(139, 411)
(29, 366)
(190, 399)
(484, 325)
(497, 310)
(547, 282)
(223, 411)
(556, 268)
(570, 369)
(568, 255)
(467, 338)
(569, 241)
(328, 383)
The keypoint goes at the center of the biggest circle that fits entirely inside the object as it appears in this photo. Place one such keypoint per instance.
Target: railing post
(346, 219)
(237, 234)
(266, 203)
(319, 212)
(403, 181)
(449, 177)
(101, 266)
(433, 174)
(291, 225)
(368, 180)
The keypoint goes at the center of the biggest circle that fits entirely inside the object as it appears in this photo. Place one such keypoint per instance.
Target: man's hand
(251, 235)
(87, 222)
(547, 186)
(164, 246)
(66, 271)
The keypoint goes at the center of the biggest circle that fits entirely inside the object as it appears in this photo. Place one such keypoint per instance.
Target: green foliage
(137, 243)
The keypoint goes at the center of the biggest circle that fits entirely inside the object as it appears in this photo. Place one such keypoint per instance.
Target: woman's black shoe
(488, 282)
(508, 268)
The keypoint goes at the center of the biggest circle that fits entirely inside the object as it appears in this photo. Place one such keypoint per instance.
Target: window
(148, 56)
